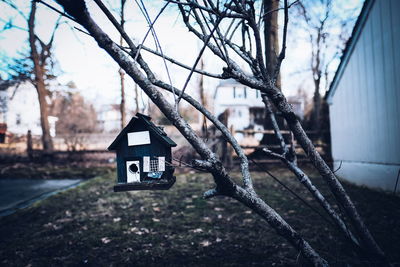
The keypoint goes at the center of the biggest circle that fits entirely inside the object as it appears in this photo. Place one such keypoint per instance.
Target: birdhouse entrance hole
(133, 168)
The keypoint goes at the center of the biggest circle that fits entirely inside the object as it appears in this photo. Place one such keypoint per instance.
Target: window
(234, 92)
(18, 119)
(154, 165)
(244, 92)
(157, 164)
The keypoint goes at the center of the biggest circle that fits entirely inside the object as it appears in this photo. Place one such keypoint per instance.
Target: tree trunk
(203, 99)
(316, 115)
(38, 70)
(122, 104)
(271, 36)
(29, 145)
(271, 51)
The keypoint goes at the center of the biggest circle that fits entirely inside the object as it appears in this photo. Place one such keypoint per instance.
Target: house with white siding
(364, 99)
(19, 109)
(245, 106)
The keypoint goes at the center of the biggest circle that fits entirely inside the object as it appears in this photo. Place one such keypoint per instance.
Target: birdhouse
(143, 156)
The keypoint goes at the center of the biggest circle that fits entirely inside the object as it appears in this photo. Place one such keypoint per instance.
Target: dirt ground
(91, 225)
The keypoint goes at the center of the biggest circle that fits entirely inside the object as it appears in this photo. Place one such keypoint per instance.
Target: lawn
(91, 225)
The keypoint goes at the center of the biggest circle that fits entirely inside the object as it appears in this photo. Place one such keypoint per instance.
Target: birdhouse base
(146, 185)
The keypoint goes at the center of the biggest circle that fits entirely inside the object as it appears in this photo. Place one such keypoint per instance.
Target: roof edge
(113, 145)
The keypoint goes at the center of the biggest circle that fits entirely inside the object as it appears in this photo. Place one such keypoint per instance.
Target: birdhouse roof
(146, 120)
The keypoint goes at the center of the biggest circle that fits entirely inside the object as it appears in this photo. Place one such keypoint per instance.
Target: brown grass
(91, 225)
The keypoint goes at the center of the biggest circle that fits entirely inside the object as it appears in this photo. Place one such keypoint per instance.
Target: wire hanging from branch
(158, 45)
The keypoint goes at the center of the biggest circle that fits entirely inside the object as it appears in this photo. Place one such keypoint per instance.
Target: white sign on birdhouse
(138, 138)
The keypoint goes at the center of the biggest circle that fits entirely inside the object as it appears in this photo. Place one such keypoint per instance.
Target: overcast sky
(96, 74)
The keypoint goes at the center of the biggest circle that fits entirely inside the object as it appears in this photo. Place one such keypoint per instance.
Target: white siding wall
(365, 107)
(23, 112)
(239, 105)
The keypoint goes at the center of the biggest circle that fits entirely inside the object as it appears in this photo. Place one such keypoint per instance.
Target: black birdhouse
(143, 156)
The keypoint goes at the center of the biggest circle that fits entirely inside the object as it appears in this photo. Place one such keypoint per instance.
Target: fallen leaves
(206, 219)
(205, 243)
(52, 226)
(105, 240)
(139, 231)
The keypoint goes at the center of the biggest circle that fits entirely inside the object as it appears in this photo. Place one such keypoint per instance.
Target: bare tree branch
(56, 10)
(212, 75)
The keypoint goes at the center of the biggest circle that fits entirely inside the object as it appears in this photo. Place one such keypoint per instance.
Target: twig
(277, 9)
(197, 61)
(150, 28)
(340, 166)
(212, 75)
(56, 10)
(82, 31)
(146, 15)
(115, 23)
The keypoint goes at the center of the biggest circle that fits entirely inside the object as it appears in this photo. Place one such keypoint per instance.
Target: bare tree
(76, 119)
(39, 71)
(214, 23)
(320, 20)
(39, 64)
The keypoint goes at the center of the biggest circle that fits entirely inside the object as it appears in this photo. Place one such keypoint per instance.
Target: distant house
(109, 118)
(298, 105)
(245, 106)
(19, 109)
(364, 99)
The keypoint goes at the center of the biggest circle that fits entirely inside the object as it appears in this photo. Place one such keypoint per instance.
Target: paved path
(20, 193)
